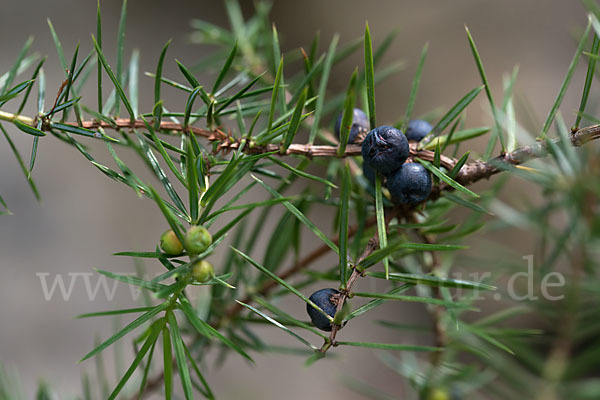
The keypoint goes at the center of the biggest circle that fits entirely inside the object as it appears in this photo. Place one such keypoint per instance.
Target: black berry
(385, 149)
(417, 129)
(327, 300)
(359, 128)
(410, 184)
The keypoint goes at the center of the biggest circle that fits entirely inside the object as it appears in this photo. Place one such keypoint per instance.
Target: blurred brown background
(84, 217)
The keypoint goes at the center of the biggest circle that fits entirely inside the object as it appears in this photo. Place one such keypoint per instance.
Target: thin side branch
(372, 245)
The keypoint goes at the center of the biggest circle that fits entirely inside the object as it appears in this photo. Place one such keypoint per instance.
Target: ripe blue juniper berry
(417, 129)
(359, 128)
(369, 173)
(385, 149)
(327, 300)
(410, 184)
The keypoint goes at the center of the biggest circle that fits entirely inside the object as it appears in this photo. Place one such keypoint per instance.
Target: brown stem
(477, 170)
(468, 174)
(372, 245)
(229, 143)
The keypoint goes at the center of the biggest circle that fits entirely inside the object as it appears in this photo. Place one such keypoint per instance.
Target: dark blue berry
(410, 184)
(385, 149)
(417, 129)
(326, 299)
(359, 128)
(369, 173)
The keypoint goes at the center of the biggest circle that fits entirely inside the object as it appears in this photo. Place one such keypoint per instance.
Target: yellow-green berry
(197, 239)
(202, 271)
(438, 394)
(170, 244)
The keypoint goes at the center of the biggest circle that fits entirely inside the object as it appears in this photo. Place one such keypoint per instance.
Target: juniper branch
(468, 174)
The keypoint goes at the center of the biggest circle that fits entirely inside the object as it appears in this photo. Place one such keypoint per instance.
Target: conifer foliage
(257, 125)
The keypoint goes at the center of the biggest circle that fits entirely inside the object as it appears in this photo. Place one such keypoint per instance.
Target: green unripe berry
(170, 244)
(197, 239)
(438, 394)
(202, 271)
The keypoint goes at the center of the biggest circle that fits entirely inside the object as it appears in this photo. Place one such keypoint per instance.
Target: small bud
(197, 239)
(202, 271)
(170, 244)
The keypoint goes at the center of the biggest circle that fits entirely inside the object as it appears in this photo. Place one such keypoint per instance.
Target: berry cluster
(384, 150)
(196, 240)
